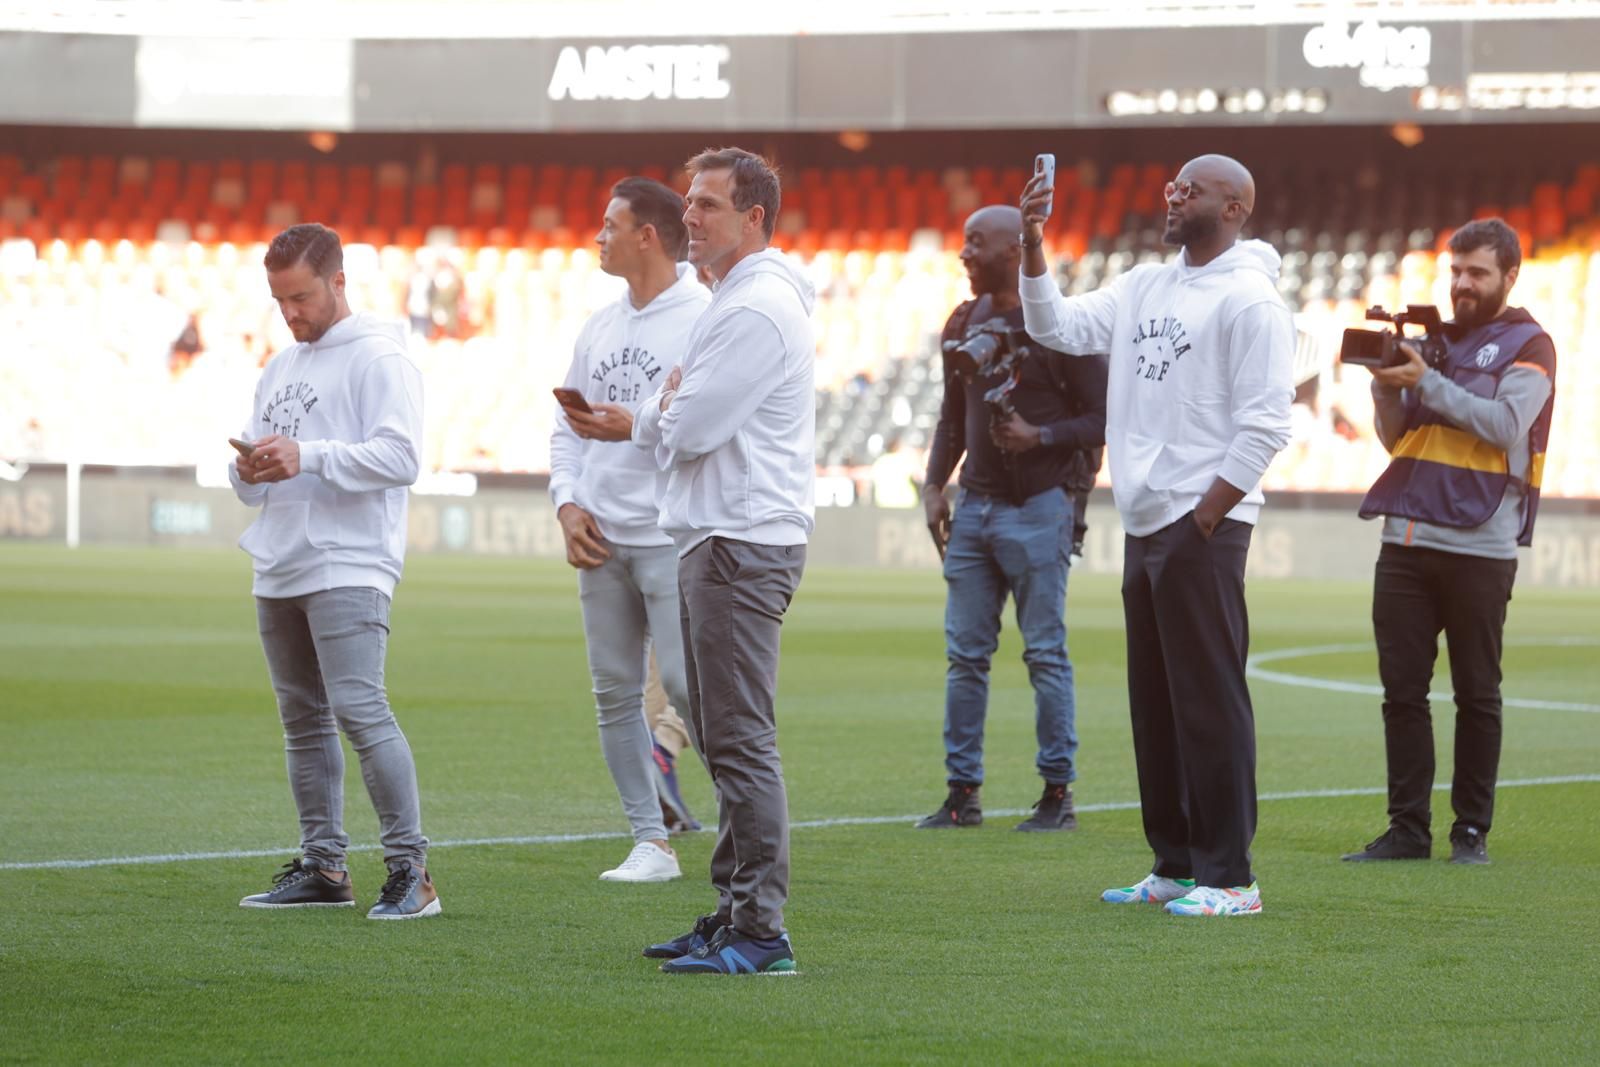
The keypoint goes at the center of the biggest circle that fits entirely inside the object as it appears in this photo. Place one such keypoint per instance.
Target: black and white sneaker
(1467, 845)
(408, 894)
(301, 885)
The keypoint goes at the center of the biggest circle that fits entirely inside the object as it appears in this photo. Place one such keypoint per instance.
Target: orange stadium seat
(520, 234)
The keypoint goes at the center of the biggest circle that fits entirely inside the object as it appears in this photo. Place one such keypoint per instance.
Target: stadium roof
(470, 19)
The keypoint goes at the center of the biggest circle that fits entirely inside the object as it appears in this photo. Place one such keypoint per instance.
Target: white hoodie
(1200, 380)
(353, 399)
(623, 354)
(739, 438)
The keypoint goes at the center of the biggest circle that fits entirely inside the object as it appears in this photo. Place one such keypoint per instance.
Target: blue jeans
(997, 548)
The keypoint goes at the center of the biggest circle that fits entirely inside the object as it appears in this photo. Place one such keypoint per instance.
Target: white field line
(809, 824)
(1306, 681)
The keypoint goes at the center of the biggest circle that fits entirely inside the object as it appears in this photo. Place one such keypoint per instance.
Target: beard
(989, 278)
(1188, 231)
(1474, 311)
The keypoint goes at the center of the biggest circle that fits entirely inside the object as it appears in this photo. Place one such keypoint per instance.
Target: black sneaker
(301, 885)
(408, 894)
(1390, 846)
(961, 808)
(1468, 845)
(1053, 812)
(705, 928)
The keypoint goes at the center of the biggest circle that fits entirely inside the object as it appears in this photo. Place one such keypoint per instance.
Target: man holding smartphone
(605, 495)
(337, 422)
(1197, 406)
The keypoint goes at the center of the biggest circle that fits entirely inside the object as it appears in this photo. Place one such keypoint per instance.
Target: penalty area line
(806, 824)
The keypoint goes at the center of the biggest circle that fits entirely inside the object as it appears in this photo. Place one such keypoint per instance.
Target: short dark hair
(1489, 233)
(755, 180)
(310, 243)
(654, 204)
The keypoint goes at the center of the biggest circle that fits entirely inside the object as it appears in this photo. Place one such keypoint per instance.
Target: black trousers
(1418, 592)
(1194, 733)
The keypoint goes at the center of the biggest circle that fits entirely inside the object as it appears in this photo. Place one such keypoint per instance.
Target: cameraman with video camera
(1026, 425)
(1465, 413)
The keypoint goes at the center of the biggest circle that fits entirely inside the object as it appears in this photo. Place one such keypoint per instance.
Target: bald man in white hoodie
(605, 494)
(736, 433)
(337, 429)
(1197, 405)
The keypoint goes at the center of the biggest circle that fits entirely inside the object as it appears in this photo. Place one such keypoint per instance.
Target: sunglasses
(1180, 190)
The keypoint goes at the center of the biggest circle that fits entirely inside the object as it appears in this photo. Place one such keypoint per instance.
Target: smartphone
(244, 447)
(571, 398)
(1045, 163)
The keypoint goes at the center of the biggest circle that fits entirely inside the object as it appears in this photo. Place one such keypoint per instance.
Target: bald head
(991, 252)
(997, 220)
(1226, 173)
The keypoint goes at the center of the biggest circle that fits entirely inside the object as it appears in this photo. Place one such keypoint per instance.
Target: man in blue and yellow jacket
(1460, 494)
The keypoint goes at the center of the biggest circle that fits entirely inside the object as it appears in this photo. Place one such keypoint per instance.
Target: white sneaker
(1216, 900)
(646, 863)
(1153, 889)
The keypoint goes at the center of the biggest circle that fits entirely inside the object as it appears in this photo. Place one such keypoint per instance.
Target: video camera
(1381, 348)
(991, 349)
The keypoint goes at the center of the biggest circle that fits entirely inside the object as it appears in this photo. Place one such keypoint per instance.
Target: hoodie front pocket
(279, 532)
(348, 520)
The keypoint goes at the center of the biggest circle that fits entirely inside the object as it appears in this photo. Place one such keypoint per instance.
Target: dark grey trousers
(732, 596)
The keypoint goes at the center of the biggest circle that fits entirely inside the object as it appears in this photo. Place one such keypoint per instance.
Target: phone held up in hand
(1045, 163)
(244, 447)
(571, 398)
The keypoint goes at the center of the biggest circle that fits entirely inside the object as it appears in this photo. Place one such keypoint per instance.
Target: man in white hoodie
(735, 430)
(605, 495)
(1197, 407)
(336, 424)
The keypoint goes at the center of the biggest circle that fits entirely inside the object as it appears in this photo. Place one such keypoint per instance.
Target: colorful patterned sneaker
(408, 894)
(960, 808)
(730, 952)
(1053, 812)
(1153, 889)
(299, 885)
(705, 928)
(673, 809)
(646, 863)
(1212, 900)
(1468, 845)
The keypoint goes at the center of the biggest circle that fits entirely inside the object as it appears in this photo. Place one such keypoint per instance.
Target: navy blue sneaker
(705, 928)
(673, 809)
(731, 952)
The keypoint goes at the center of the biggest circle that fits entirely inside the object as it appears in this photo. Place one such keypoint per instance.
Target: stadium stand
(106, 261)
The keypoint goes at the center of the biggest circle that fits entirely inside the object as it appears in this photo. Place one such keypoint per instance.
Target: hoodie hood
(687, 288)
(1251, 255)
(773, 262)
(360, 325)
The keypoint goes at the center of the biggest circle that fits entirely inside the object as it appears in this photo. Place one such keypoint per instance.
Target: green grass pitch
(135, 721)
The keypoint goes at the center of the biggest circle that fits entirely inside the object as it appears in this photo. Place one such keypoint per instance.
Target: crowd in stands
(135, 312)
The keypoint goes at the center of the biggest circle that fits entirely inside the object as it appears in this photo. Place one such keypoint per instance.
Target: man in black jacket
(1012, 529)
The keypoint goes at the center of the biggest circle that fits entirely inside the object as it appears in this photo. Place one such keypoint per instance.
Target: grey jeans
(325, 653)
(628, 601)
(733, 596)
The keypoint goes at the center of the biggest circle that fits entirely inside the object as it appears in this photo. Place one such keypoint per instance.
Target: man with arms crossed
(1460, 494)
(605, 495)
(337, 425)
(736, 432)
(1197, 405)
